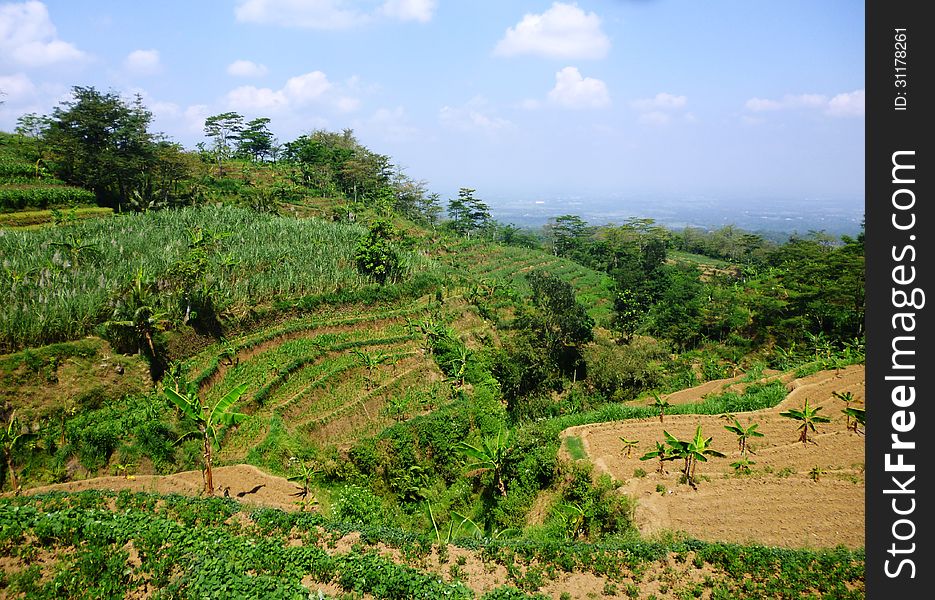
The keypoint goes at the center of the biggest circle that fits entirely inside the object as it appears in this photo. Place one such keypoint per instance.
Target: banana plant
(209, 422)
(660, 452)
(859, 416)
(809, 417)
(628, 446)
(11, 438)
(743, 434)
(847, 397)
(661, 405)
(693, 451)
(489, 456)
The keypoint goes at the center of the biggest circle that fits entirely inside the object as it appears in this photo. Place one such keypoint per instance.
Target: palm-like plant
(808, 417)
(209, 422)
(138, 312)
(859, 416)
(11, 438)
(660, 452)
(743, 434)
(847, 397)
(371, 362)
(306, 473)
(693, 451)
(628, 445)
(489, 456)
(661, 405)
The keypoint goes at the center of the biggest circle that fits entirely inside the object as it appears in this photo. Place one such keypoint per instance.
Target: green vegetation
(303, 308)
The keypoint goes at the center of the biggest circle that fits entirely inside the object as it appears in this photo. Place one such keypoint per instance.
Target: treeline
(808, 290)
(104, 143)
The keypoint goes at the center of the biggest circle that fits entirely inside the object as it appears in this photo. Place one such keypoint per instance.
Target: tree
(225, 130)
(11, 438)
(490, 456)
(568, 233)
(743, 433)
(35, 127)
(808, 417)
(100, 142)
(209, 422)
(375, 255)
(137, 319)
(468, 214)
(255, 140)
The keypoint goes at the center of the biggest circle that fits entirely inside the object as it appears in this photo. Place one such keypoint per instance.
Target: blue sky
(518, 98)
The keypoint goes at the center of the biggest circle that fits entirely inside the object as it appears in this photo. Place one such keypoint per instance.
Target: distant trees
(255, 140)
(469, 215)
(224, 129)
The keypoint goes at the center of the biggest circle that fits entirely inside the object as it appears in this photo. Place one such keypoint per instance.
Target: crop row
(20, 196)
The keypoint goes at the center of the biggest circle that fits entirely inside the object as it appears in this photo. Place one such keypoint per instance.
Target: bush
(19, 197)
(621, 372)
(358, 506)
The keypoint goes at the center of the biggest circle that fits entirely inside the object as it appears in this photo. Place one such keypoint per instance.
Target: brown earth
(779, 503)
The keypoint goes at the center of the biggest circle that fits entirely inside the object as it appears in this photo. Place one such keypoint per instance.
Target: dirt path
(271, 491)
(779, 503)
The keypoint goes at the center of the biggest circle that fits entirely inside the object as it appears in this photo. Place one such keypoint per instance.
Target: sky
(759, 101)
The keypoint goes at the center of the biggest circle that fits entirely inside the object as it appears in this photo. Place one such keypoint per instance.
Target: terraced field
(326, 379)
(508, 265)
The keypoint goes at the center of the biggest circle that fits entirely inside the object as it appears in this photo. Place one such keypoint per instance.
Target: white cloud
(850, 104)
(847, 105)
(473, 116)
(246, 68)
(409, 10)
(16, 88)
(329, 14)
(28, 38)
(563, 31)
(142, 62)
(661, 101)
(574, 91)
(298, 91)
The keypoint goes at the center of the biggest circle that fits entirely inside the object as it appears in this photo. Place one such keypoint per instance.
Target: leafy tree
(468, 214)
(743, 433)
(255, 139)
(489, 457)
(35, 127)
(224, 129)
(375, 255)
(569, 233)
(209, 422)
(808, 417)
(12, 437)
(100, 142)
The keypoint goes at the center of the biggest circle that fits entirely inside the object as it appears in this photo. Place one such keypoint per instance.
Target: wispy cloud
(563, 31)
(246, 68)
(849, 104)
(474, 116)
(329, 14)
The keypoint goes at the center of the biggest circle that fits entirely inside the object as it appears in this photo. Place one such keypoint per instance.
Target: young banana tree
(11, 438)
(808, 417)
(628, 446)
(489, 456)
(209, 422)
(693, 451)
(661, 405)
(847, 397)
(743, 434)
(859, 416)
(660, 452)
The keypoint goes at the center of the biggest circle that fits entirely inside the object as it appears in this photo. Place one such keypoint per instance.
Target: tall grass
(58, 284)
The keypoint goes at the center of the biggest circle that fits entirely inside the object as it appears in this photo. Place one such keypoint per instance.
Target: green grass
(44, 217)
(575, 447)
